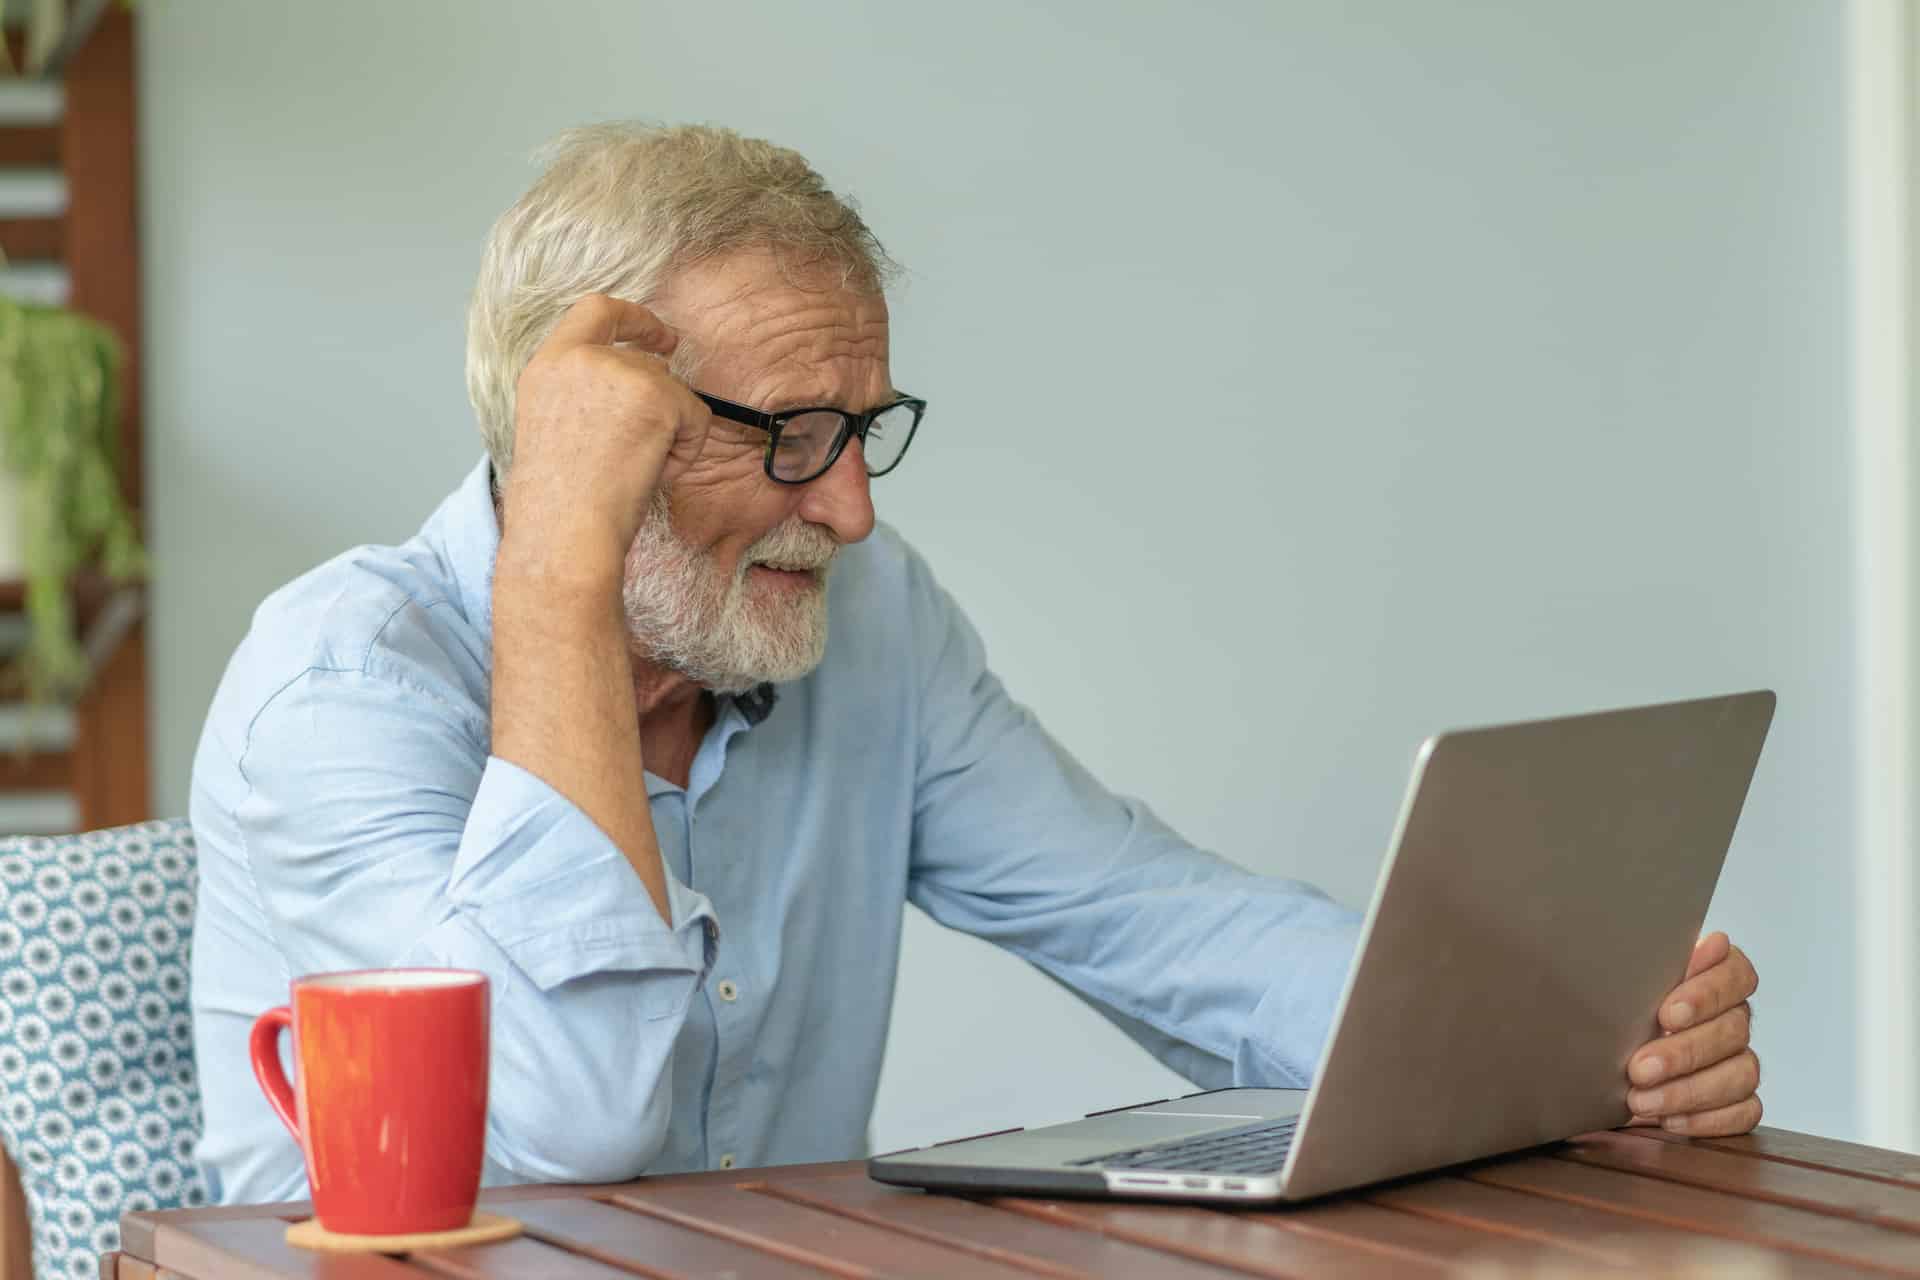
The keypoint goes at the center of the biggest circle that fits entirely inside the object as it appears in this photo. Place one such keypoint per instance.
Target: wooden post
(110, 776)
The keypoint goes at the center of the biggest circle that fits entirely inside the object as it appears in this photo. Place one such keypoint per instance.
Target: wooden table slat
(1359, 1226)
(513, 1259)
(606, 1233)
(957, 1223)
(1716, 1213)
(1822, 1190)
(827, 1240)
(257, 1249)
(1607, 1236)
(1228, 1240)
(137, 1230)
(1805, 1150)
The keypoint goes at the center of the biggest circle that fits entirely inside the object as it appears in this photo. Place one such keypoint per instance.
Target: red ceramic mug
(391, 1101)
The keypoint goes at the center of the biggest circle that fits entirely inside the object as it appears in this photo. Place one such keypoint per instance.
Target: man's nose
(841, 499)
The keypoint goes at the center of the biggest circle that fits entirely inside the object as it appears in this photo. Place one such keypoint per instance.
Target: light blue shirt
(349, 815)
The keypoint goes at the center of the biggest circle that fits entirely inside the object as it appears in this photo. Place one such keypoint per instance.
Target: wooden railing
(87, 254)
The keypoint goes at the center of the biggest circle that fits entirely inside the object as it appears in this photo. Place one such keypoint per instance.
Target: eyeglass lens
(807, 440)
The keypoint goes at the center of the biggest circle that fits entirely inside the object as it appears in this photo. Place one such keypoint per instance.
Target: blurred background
(1306, 378)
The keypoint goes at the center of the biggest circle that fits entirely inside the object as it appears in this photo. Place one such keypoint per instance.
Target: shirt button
(728, 991)
(726, 1161)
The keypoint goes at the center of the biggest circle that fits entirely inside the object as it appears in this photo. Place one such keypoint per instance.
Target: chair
(99, 1106)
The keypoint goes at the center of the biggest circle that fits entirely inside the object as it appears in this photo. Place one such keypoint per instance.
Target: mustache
(796, 544)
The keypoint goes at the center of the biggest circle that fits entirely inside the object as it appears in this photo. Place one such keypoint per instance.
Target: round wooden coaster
(484, 1227)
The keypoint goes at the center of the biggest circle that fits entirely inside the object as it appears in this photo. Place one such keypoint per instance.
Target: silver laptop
(1542, 894)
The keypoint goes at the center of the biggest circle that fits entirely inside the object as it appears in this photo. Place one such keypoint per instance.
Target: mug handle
(263, 1046)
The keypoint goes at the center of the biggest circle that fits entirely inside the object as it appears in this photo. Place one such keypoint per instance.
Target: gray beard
(685, 615)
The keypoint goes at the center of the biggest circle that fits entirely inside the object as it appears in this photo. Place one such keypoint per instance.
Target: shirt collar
(467, 531)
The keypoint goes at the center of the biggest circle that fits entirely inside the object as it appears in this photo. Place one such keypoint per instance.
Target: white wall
(1884, 190)
(1306, 378)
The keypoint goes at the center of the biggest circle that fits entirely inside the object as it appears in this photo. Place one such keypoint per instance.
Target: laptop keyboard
(1259, 1149)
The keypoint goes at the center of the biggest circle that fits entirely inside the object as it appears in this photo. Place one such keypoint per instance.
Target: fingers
(1721, 1085)
(1712, 991)
(1708, 952)
(1696, 1048)
(1721, 1122)
(1702, 1076)
(598, 320)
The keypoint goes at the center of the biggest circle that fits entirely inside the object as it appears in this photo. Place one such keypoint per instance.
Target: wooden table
(1776, 1203)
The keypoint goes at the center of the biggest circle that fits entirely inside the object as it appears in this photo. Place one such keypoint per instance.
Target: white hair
(621, 207)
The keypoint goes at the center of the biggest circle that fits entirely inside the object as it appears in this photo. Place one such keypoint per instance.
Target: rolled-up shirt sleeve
(379, 831)
(1228, 977)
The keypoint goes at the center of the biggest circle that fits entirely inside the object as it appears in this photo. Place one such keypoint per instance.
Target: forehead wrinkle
(793, 359)
(771, 326)
(841, 381)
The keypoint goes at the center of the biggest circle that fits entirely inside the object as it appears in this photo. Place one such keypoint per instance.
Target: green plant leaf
(60, 434)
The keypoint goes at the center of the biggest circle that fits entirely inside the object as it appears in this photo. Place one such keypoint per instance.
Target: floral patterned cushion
(98, 1103)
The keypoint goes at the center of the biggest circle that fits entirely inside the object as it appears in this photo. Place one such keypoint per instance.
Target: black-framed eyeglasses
(803, 443)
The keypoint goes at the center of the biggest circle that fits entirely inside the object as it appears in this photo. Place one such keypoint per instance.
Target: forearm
(581, 1083)
(563, 700)
(600, 425)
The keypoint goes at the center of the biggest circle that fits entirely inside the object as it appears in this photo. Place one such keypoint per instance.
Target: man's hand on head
(1701, 1077)
(599, 426)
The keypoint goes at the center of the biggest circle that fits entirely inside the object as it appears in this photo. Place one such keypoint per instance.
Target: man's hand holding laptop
(1540, 906)
(1700, 1077)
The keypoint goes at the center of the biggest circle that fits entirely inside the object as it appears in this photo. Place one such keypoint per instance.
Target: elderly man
(586, 733)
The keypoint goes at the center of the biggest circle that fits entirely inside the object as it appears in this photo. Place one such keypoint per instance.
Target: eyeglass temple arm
(743, 414)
